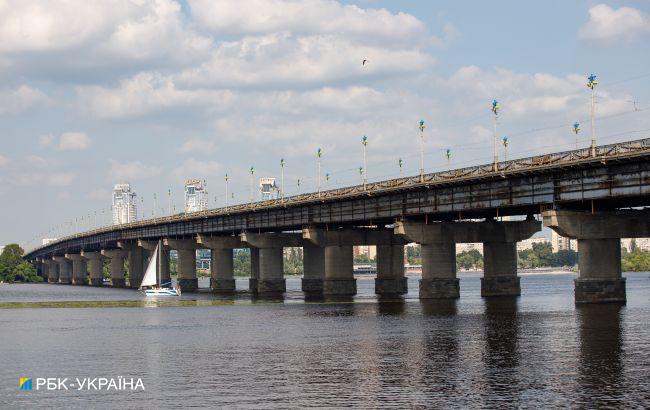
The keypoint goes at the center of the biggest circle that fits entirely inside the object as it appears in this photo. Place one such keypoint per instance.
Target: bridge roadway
(579, 195)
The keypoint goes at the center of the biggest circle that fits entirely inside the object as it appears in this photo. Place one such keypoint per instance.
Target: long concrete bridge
(592, 198)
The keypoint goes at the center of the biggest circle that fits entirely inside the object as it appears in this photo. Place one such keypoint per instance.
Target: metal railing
(574, 157)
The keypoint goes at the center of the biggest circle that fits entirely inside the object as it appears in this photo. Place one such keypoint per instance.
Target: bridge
(592, 195)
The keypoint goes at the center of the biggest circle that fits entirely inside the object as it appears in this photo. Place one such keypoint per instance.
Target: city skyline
(132, 110)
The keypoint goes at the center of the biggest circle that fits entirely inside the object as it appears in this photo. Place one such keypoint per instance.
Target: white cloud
(130, 171)
(4, 161)
(608, 25)
(73, 141)
(144, 93)
(193, 168)
(198, 146)
(99, 195)
(13, 101)
(60, 179)
(68, 141)
(286, 60)
(305, 16)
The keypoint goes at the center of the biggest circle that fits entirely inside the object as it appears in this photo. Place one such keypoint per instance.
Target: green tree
(14, 269)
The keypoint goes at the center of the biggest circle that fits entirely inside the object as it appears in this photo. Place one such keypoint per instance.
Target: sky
(152, 92)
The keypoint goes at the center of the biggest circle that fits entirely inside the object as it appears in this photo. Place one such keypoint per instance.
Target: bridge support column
(500, 269)
(117, 266)
(95, 267)
(313, 262)
(599, 246)
(438, 241)
(150, 247)
(339, 271)
(439, 280)
(390, 270)
(79, 268)
(255, 270)
(186, 249)
(271, 279)
(222, 279)
(222, 271)
(52, 270)
(65, 269)
(136, 259)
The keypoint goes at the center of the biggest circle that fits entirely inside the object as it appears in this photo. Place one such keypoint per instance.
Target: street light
(155, 204)
(364, 142)
(319, 153)
(400, 163)
(576, 129)
(169, 194)
(448, 154)
(504, 141)
(495, 110)
(282, 178)
(591, 83)
(298, 185)
(226, 178)
(422, 127)
(361, 176)
(251, 190)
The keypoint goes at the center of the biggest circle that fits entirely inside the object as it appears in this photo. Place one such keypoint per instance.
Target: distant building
(369, 250)
(124, 204)
(196, 196)
(268, 189)
(48, 240)
(528, 243)
(462, 247)
(641, 243)
(560, 243)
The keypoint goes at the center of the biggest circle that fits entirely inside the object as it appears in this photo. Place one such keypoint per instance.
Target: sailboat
(151, 279)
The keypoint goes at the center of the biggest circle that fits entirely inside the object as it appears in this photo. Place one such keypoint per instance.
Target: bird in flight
(364, 62)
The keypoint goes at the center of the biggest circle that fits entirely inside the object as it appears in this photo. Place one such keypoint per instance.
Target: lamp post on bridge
(495, 110)
(361, 176)
(504, 141)
(364, 142)
(400, 163)
(319, 153)
(422, 127)
(282, 178)
(448, 155)
(591, 83)
(576, 129)
(226, 178)
(252, 171)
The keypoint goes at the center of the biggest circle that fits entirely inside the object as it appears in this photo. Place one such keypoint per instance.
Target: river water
(538, 350)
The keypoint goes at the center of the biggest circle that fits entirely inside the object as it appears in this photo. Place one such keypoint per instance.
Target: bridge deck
(618, 176)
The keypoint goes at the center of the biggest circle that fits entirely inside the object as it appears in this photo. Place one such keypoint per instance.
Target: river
(200, 350)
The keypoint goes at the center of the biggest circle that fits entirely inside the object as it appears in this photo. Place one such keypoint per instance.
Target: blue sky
(153, 92)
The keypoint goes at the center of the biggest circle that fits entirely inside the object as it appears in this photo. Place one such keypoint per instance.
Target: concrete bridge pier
(65, 269)
(339, 271)
(500, 269)
(117, 257)
(255, 270)
(313, 262)
(439, 277)
(271, 259)
(95, 267)
(186, 249)
(150, 247)
(136, 259)
(79, 268)
(52, 270)
(390, 270)
(222, 279)
(599, 246)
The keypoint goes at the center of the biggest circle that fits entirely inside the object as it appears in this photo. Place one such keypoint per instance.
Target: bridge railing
(636, 147)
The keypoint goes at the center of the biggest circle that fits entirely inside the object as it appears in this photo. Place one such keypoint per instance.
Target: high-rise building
(641, 243)
(196, 196)
(124, 204)
(528, 243)
(561, 243)
(268, 189)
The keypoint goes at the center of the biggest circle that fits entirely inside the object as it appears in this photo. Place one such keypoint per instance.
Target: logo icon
(25, 383)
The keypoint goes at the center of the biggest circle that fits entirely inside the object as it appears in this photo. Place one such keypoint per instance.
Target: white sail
(150, 277)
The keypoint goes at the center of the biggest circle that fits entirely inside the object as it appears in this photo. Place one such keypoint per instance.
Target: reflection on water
(202, 350)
